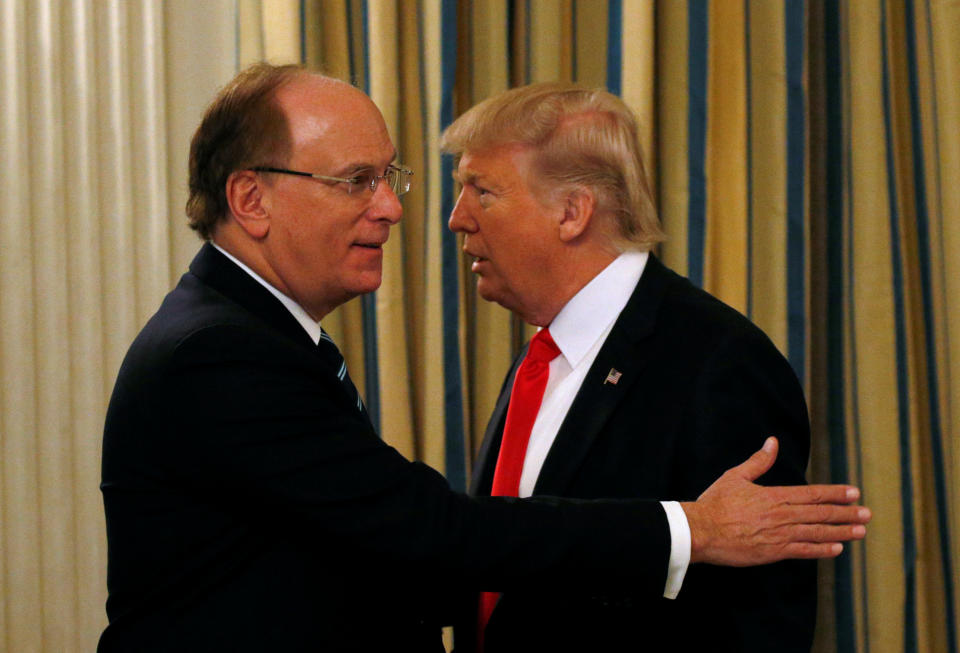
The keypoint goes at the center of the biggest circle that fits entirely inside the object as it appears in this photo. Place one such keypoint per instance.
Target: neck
(578, 269)
(250, 254)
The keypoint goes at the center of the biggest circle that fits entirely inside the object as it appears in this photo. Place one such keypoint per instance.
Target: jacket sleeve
(746, 392)
(260, 424)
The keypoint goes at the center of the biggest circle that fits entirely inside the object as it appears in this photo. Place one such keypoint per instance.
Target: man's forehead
(325, 113)
(493, 159)
(316, 102)
(319, 88)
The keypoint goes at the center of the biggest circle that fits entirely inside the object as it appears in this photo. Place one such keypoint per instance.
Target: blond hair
(582, 138)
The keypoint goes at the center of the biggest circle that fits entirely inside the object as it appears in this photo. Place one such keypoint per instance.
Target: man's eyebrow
(467, 177)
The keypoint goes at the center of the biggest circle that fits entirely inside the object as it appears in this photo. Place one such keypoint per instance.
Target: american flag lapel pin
(613, 376)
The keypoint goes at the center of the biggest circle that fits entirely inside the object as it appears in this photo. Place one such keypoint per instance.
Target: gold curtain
(806, 152)
(99, 100)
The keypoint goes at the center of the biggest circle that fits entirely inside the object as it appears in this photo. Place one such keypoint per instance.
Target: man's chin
(368, 288)
(485, 291)
(365, 283)
(491, 294)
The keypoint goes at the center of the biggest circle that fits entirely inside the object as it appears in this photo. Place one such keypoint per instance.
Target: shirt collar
(311, 326)
(588, 315)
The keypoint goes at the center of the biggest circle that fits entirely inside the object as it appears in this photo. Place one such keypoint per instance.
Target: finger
(813, 494)
(789, 515)
(822, 533)
(759, 463)
(810, 550)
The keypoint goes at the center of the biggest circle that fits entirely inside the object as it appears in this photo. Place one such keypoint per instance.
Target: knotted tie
(330, 353)
(525, 399)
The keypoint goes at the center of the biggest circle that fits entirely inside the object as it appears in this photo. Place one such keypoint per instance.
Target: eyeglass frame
(402, 173)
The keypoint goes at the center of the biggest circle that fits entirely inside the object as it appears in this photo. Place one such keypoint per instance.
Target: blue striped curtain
(815, 138)
(805, 156)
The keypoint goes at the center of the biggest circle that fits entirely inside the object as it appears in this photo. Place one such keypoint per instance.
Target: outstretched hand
(736, 522)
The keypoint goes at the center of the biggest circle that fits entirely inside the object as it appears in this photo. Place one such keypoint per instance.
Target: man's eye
(362, 179)
(484, 196)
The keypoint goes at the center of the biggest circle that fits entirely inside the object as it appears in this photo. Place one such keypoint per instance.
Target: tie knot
(328, 349)
(542, 347)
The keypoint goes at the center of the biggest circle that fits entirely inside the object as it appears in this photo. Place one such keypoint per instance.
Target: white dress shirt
(580, 329)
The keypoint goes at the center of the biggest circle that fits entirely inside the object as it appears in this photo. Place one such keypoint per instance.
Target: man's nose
(386, 204)
(460, 220)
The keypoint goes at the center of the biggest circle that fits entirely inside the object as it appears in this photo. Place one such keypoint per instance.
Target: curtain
(804, 156)
(98, 102)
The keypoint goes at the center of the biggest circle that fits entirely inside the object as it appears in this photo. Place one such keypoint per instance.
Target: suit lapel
(215, 270)
(623, 352)
(486, 460)
(227, 278)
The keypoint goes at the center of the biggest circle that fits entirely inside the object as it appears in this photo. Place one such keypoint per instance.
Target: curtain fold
(92, 238)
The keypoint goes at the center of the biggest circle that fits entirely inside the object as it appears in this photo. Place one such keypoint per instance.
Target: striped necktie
(331, 354)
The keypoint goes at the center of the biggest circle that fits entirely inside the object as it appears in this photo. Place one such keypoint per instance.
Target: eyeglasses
(397, 177)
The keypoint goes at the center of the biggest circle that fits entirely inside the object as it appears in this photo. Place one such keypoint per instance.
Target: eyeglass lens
(397, 178)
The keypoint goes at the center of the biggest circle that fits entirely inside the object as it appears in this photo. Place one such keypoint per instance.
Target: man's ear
(578, 210)
(245, 198)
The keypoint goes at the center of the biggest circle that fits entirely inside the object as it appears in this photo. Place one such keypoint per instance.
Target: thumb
(759, 463)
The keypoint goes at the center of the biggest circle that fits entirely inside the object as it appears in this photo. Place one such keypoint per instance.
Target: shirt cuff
(679, 548)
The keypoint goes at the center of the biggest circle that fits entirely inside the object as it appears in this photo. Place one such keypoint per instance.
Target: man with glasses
(250, 505)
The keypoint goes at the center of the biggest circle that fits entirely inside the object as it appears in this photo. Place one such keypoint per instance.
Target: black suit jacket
(701, 388)
(251, 507)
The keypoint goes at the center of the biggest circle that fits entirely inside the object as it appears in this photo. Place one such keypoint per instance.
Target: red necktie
(525, 398)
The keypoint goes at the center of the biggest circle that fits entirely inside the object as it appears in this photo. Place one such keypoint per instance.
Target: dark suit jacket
(701, 388)
(251, 507)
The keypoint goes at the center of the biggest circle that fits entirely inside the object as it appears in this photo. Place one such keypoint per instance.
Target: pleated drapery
(804, 172)
(804, 156)
(98, 104)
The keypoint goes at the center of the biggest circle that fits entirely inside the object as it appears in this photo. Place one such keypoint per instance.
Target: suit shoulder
(195, 310)
(696, 311)
(193, 306)
(703, 330)
(196, 323)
